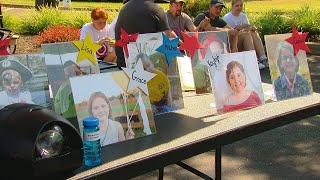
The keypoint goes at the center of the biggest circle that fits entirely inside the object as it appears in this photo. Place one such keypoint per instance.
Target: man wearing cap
(218, 24)
(140, 16)
(12, 75)
(179, 21)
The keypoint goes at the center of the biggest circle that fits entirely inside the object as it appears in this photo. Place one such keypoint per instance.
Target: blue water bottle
(91, 142)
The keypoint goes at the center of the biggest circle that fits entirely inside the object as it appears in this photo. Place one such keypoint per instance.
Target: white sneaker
(261, 66)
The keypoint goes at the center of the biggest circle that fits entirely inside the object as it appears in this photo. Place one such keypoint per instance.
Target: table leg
(218, 163)
(160, 177)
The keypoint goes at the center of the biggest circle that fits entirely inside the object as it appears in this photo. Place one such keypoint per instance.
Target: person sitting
(239, 21)
(179, 21)
(289, 84)
(241, 97)
(218, 24)
(99, 32)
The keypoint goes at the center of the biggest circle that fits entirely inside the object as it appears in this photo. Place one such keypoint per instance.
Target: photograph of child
(122, 115)
(238, 84)
(60, 59)
(23, 80)
(289, 73)
(217, 43)
(165, 90)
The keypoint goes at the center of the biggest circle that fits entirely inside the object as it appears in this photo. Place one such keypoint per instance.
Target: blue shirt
(282, 89)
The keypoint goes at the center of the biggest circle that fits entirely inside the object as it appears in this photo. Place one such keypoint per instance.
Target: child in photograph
(63, 102)
(289, 84)
(13, 76)
(110, 131)
(240, 97)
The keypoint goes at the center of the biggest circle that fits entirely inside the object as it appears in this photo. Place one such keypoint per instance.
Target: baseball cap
(176, 1)
(218, 3)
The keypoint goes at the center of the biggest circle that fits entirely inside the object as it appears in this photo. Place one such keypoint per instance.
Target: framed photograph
(61, 62)
(24, 79)
(122, 115)
(216, 42)
(237, 82)
(165, 90)
(289, 73)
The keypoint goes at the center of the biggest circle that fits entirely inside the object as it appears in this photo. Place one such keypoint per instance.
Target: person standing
(140, 16)
(180, 21)
(239, 21)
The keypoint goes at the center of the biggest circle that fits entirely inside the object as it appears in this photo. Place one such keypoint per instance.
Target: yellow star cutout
(87, 49)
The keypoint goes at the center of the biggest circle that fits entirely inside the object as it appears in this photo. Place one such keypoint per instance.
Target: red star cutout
(125, 40)
(191, 43)
(4, 46)
(298, 41)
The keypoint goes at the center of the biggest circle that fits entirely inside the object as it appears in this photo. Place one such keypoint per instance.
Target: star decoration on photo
(191, 43)
(169, 48)
(87, 49)
(138, 77)
(298, 41)
(125, 40)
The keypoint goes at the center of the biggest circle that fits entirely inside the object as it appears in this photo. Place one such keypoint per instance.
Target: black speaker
(22, 127)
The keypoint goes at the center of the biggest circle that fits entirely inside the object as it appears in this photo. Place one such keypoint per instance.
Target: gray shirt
(179, 23)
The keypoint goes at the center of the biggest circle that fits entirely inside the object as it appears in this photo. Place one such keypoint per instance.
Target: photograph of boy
(19, 84)
(238, 84)
(122, 115)
(13, 74)
(289, 73)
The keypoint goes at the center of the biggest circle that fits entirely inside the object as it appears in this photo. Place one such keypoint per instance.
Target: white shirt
(110, 136)
(112, 27)
(96, 35)
(22, 97)
(235, 21)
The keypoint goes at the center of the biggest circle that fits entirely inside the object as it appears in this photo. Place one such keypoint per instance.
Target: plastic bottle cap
(90, 121)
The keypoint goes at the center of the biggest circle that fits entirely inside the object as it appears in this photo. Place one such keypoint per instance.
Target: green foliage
(34, 22)
(12, 22)
(306, 19)
(271, 22)
(194, 7)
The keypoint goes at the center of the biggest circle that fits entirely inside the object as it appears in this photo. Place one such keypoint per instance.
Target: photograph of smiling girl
(122, 115)
(289, 73)
(237, 84)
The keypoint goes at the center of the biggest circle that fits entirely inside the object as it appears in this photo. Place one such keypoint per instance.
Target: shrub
(35, 22)
(12, 22)
(56, 34)
(306, 19)
(271, 22)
